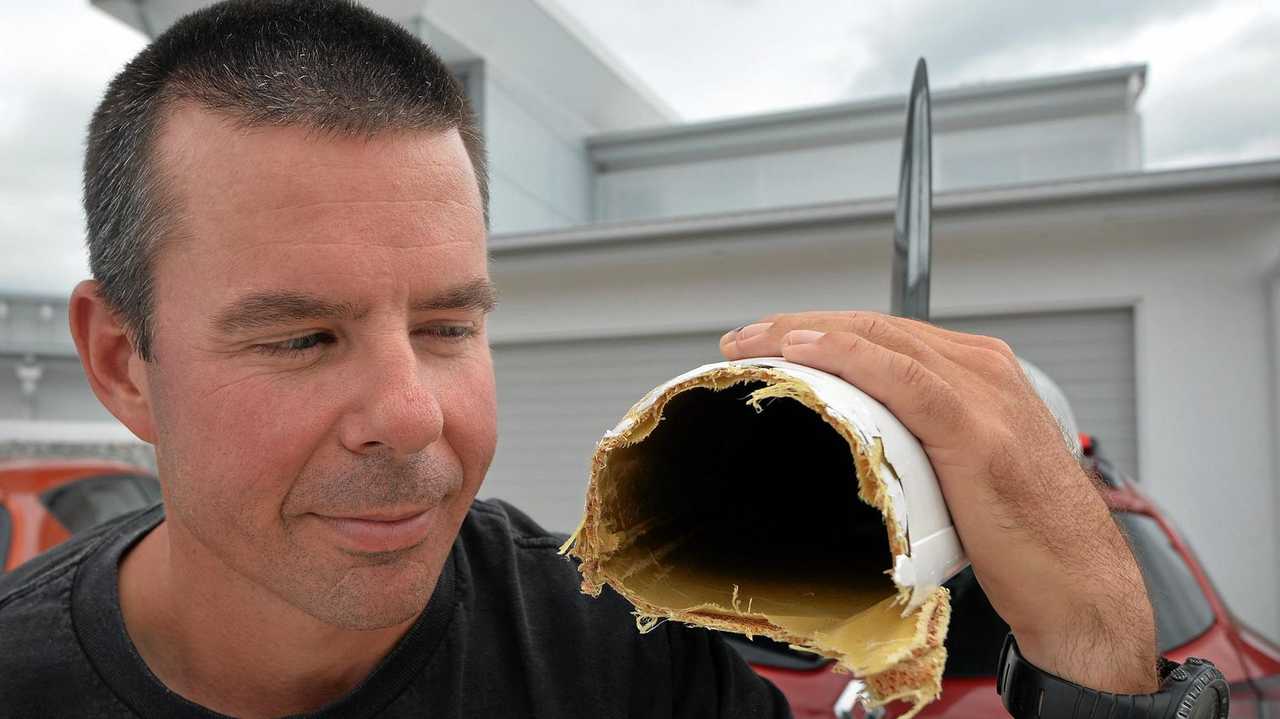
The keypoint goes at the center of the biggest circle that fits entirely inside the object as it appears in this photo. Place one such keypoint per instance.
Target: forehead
(283, 198)
(219, 170)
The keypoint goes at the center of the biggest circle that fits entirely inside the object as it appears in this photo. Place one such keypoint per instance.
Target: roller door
(555, 399)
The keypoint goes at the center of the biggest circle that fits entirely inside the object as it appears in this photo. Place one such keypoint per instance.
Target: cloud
(1211, 95)
(1208, 100)
(60, 55)
(728, 57)
(1211, 62)
(973, 40)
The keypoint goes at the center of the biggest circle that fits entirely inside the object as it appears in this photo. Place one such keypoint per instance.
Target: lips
(381, 532)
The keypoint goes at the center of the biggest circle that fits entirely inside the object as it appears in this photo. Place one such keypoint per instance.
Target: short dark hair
(330, 65)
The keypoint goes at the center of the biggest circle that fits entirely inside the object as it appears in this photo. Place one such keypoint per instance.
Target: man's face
(321, 364)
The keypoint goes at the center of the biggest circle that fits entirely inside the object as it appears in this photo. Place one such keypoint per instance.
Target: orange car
(45, 501)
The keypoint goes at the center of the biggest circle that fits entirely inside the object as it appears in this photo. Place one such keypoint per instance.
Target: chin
(376, 596)
(379, 618)
(365, 591)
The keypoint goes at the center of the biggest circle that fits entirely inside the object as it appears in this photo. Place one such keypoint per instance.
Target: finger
(928, 328)
(987, 356)
(986, 342)
(729, 342)
(729, 346)
(994, 344)
(918, 396)
(769, 340)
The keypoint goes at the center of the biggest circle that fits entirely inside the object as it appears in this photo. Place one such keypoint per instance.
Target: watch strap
(1032, 693)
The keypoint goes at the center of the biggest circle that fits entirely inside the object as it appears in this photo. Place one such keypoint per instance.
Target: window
(1182, 611)
(976, 634)
(471, 75)
(89, 502)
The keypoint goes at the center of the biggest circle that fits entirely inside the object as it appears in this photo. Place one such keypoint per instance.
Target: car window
(976, 633)
(89, 502)
(1182, 611)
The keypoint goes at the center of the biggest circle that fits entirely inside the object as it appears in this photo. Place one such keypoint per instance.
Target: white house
(624, 243)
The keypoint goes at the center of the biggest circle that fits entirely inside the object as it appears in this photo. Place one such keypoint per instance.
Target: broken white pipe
(935, 553)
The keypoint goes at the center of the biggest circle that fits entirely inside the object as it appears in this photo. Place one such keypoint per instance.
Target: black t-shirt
(506, 634)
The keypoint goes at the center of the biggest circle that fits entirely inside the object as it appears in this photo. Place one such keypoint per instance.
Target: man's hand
(1041, 539)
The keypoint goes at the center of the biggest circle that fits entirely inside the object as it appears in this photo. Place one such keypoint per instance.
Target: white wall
(1193, 269)
(62, 393)
(34, 325)
(773, 179)
(36, 328)
(966, 158)
(540, 175)
(1036, 151)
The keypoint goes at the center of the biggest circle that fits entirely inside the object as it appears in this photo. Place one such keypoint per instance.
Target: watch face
(1209, 705)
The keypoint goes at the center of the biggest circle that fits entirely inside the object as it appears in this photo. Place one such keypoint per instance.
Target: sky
(1211, 92)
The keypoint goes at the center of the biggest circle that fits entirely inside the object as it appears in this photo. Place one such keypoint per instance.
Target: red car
(1191, 619)
(43, 502)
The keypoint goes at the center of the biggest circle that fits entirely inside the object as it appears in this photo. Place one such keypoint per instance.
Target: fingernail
(750, 331)
(801, 337)
(731, 334)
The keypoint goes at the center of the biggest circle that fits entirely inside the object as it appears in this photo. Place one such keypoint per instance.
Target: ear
(115, 371)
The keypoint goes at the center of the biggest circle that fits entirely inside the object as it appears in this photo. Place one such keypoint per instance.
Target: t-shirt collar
(99, 626)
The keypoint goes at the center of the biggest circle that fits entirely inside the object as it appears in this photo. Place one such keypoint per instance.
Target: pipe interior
(719, 495)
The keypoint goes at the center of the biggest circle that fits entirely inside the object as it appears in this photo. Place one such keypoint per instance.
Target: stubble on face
(253, 451)
(346, 587)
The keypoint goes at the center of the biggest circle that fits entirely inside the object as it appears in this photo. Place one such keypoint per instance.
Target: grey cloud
(1210, 112)
(1222, 110)
(714, 57)
(47, 143)
(964, 39)
(59, 56)
(40, 213)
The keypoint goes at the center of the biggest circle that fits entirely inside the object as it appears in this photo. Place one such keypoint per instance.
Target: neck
(217, 639)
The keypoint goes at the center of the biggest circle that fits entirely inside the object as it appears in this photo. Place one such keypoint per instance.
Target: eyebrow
(259, 310)
(478, 294)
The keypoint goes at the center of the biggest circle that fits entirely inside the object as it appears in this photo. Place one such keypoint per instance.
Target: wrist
(1094, 627)
(1119, 660)
(1027, 691)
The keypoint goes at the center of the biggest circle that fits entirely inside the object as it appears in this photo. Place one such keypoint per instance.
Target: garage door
(1089, 355)
(556, 399)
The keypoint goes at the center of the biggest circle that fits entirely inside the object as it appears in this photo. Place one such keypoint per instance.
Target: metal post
(912, 241)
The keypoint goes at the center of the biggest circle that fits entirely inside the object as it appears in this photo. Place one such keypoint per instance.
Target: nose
(394, 405)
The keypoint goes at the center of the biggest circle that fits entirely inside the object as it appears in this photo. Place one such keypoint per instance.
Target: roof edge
(1130, 78)
(1234, 176)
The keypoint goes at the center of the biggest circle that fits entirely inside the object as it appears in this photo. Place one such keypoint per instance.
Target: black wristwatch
(1193, 690)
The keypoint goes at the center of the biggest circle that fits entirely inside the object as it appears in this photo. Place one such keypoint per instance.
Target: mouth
(378, 532)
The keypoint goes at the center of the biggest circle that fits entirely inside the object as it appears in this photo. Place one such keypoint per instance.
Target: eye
(295, 345)
(452, 333)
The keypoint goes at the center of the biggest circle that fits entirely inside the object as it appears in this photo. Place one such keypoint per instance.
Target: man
(286, 206)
